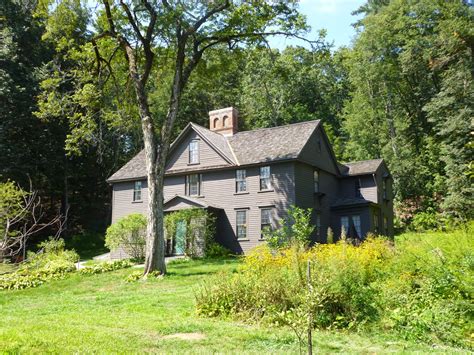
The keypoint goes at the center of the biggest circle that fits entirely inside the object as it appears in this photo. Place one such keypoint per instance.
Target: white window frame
(188, 185)
(240, 180)
(137, 191)
(268, 219)
(241, 226)
(265, 179)
(193, 149)
(316, 179)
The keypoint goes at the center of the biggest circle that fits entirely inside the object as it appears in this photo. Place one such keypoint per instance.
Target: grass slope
(103, 313)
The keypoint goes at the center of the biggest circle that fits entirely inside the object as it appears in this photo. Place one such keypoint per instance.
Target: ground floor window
(318, 224)
(385, 224)
(265, 220)
(344, 225)
(376, 222)
(357, 226)
(241, 222)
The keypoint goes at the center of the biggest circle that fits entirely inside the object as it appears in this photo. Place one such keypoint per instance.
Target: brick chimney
(224, 121)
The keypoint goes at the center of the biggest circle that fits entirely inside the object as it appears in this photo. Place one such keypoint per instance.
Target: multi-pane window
(194, 152)
(357, 226)
(316, 180)
(241, 222)
(240, 180)
(265, 178)
(345, 224)
(265, 219)
(357, 188)
(193, 185)
(137, 191)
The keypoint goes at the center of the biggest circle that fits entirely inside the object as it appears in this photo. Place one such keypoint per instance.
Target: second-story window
(384, 188)
(194, 152)
(240, 180)
(316, 180)
(265, 178)
(357, 188)
(137, 191)
(193, 185)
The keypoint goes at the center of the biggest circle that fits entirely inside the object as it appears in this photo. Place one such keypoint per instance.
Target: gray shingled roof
(360, 167)
(135, 168)
(270, 144)
(343, 202)
(249, 147)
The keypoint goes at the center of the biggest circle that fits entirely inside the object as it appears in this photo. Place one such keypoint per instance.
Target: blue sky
(333, 15)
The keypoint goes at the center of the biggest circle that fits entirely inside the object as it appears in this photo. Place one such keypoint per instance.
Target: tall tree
(156, 38)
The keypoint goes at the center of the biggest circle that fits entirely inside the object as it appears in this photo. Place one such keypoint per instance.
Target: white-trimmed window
(357, 226)
(193, 185)
(316, 180)
(194, 152)
(240, 180)
(137, 191)
(265, 178)
(265, 219)
(241, 224)
(345, 224)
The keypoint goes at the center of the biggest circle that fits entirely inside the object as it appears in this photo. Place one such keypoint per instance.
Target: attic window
(194, 152)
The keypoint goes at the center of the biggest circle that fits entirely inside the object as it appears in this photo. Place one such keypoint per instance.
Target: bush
(51, 262)
(105, 266)
(128, 233)
(216, 250)
(421, 287)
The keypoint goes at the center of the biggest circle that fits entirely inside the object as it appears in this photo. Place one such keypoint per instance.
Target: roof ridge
(276, 127)
(361, 161)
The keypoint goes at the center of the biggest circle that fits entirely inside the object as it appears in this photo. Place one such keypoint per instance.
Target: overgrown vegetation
(420, 287)
(128, 233)
(105, 266)
(51, 262)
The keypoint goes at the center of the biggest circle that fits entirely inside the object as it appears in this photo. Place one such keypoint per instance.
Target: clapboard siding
(368, 187)
(122, 200)
(320, 203)
(317, 152)
(208, 156)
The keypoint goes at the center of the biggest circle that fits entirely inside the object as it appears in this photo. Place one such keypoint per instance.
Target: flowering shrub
(420, 287)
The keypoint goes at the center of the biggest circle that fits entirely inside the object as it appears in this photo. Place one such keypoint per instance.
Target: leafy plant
(105, 266)
(128, 233)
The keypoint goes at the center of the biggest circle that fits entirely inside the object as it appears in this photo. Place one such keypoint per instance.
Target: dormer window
(194, 152)
(316, 180)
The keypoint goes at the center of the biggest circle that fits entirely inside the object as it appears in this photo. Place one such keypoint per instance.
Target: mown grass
(103, 314)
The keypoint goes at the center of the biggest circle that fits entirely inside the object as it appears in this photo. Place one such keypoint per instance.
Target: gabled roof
(362, 167)
(197, 202)
(243, 148)
(271, 144)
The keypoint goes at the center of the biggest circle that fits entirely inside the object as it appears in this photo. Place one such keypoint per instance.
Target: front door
(180, 238)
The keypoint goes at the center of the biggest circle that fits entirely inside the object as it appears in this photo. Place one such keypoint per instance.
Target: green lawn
(103, 313)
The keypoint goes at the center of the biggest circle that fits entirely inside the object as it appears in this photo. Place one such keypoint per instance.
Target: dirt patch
(185, 336)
